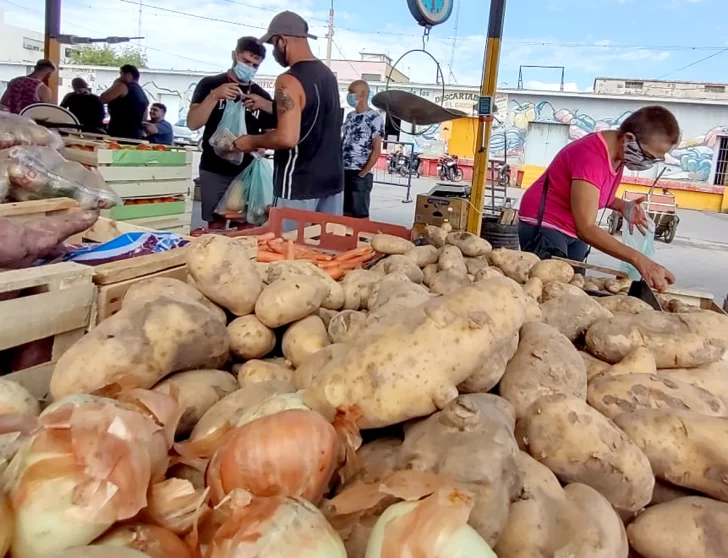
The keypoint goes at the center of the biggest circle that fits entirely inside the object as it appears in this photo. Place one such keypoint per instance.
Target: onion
(88, 466)
(175, 505)
(150, 539)
(272, 405)
(7, 522)
(15, 399)
(292, 453)
(435, 527)
(277, 528)
(99, 552)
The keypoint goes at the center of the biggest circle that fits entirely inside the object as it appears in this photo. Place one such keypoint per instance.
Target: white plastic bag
(644, 243)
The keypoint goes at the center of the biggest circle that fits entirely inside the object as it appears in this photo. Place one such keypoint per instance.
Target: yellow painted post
(490, 81)
(52, 45)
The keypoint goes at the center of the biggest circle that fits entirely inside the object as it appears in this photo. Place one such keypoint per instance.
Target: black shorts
(551, 243)
(357, 193)
(212, 188)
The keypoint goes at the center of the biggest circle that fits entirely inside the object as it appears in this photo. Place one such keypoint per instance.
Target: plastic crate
(321, 230)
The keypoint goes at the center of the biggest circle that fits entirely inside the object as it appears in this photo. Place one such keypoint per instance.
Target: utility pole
(330, 35)
(52, 47)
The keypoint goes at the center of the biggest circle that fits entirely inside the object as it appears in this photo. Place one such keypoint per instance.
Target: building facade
(660, 88)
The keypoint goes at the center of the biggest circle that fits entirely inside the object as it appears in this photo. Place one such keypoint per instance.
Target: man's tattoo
(284, 101)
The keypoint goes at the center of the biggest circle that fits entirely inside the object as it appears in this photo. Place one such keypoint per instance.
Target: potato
(141, 344)
(545, 363)
(666, 492)
(261, 269)
(617, 285)
(612, 395)
(533, 288)
(357, 285)
(326, 315)
(554, 289)
(533, 311)
(223, 272)
(488, 273)
(390, 244)
(303, 338)
(378, 459)
(470, 245)
(346, 325)
(436, 236)
(429, 272)
(452, 258)
(623, 304)
(684, 528)
(593, 284)
(685, 448)
(474, 265)
(637, 361)
(445, 282)
(249, 338)
(675, 340)
(593, 365)
(547, 521)
(165, 286)
(296, 268)
(490, 373)
(256, 371)
(423, 255)
(196, 391)
(580, 445)
(553, 271)
(397, 369)
(313, 366)
(289, 299)
(389, 291)
(16, 400)
(578, 281)
(677, 306)
(572, 315)
(470, 442)
(712, 377)
(403, 264)
(514, 264)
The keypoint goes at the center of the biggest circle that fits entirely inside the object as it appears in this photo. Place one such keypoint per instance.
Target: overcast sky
(620, 38)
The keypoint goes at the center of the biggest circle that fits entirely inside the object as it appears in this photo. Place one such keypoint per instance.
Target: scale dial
(431, 12)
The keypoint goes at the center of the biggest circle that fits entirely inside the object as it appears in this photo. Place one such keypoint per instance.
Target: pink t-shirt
(584, 159)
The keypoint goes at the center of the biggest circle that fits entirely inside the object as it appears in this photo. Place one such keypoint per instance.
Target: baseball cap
(287, 24)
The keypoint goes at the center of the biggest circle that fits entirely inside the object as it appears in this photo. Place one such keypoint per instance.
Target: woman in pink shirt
(558, 212)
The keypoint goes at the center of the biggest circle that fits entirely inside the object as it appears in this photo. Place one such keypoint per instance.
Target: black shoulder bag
(539, 244)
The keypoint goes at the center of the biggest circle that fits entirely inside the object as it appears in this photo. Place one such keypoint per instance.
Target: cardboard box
(435, 210)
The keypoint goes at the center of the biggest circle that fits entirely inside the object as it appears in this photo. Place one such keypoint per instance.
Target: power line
(273, 10)
(344, 56)
(694, 63)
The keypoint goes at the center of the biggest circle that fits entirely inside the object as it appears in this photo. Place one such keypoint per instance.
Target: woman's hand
(635, 215)
(654, 274)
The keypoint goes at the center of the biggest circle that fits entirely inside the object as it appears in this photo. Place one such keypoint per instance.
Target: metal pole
(52, 45)
(490, 81)
(330, 35)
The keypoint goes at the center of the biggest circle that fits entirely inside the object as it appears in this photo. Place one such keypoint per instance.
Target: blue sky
(637, 38)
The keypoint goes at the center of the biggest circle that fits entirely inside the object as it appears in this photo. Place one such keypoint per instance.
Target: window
(721, 163)
(32, 44)
(634, 84)
(371, 77)
(714, 88)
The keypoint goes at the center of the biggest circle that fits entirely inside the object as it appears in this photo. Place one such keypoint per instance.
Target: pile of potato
(580, 427)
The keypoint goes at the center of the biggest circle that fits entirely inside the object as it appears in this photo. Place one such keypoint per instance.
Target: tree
(105, 55)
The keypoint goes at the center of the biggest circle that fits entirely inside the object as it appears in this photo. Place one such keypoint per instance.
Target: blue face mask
(244, 72)
(351, 100)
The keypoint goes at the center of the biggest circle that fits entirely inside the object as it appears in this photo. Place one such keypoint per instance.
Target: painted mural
(691, 160)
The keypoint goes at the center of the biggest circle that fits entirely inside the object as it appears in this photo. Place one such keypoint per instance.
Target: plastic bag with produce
(18, 130)
(41, 172)
(232, 126)
(232, 205)
(258, 191)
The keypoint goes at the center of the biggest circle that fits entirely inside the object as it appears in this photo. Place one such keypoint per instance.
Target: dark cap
(287, 24)
(79, 83)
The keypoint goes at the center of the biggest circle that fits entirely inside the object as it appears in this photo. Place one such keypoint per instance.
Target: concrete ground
(698, 256)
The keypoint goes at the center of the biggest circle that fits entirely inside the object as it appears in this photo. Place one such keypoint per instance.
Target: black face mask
(279, 55)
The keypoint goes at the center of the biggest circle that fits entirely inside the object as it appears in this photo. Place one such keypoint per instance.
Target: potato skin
(684, 528)
(675, 340)
(405, 265)
(250, 338)
(553, 270)
(514, 264)
(573, 314)
(580, 445)
(166, 286)
(613, 395)
(295, 268)
(685, 448)
(346, 325)
(390, 244)
(304, 338)
(545, 363)
(452, 258)
(470, 245)
(423, 255)
(623, 304)
(256, 371)
(141, 344)
(289, 299)
(491, 372)
(712, 377)
(554, 289)
(222, 272)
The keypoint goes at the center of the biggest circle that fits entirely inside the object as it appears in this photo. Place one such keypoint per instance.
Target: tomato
(144, 147)
(159, 148)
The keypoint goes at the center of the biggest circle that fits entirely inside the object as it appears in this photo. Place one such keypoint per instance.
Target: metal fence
(400, 167)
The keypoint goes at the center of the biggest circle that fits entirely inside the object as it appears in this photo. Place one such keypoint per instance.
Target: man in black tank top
(127, 104)
(308, 168)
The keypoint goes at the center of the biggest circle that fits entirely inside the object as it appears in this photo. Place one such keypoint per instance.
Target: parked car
(184, 136)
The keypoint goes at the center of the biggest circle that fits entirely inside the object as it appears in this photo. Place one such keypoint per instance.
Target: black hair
(251, 45)
(160, 106)
(78, 82)
(652, 121)
(44, 64)
(130, 69)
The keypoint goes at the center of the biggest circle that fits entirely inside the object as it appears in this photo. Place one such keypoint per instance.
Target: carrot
(356, 252)
(265, 237)
(268, 257)
(290, 251)
(336, 272)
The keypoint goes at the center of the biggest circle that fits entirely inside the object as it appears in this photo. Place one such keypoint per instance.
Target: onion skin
(7, 524)
(150, 539)
(292, 453)
(175, 505)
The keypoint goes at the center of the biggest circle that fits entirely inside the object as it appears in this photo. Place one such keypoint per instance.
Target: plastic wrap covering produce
(129, 245)
(232, 126)
(250, 194)
(41, 172)
(18, 130)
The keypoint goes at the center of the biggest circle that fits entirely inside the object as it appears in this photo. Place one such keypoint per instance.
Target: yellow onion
(276, 528)
(7, 523)
(292, 453)
(272, 405)
(16, 400)
(150, 539)
(100, 552)
(175, 505)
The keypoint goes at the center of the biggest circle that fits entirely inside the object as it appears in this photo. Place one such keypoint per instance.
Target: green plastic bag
(258, 190)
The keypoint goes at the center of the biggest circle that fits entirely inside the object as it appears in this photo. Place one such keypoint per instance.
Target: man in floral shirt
(363, 131)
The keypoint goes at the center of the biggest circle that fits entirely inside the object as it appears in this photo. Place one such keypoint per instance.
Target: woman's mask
(635, 158)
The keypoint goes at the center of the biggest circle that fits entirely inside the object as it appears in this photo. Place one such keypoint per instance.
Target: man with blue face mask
(362, 135)
(208, 104)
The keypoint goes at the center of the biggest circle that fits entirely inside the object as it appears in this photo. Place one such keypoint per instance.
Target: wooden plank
(110, 297)
(36, 206)
(131, 174)
(36, 379)
(153, 188)
(140, 266)
(38, 316)
(61, 273)
(164, 222)
(593, 267)
(106, 229)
